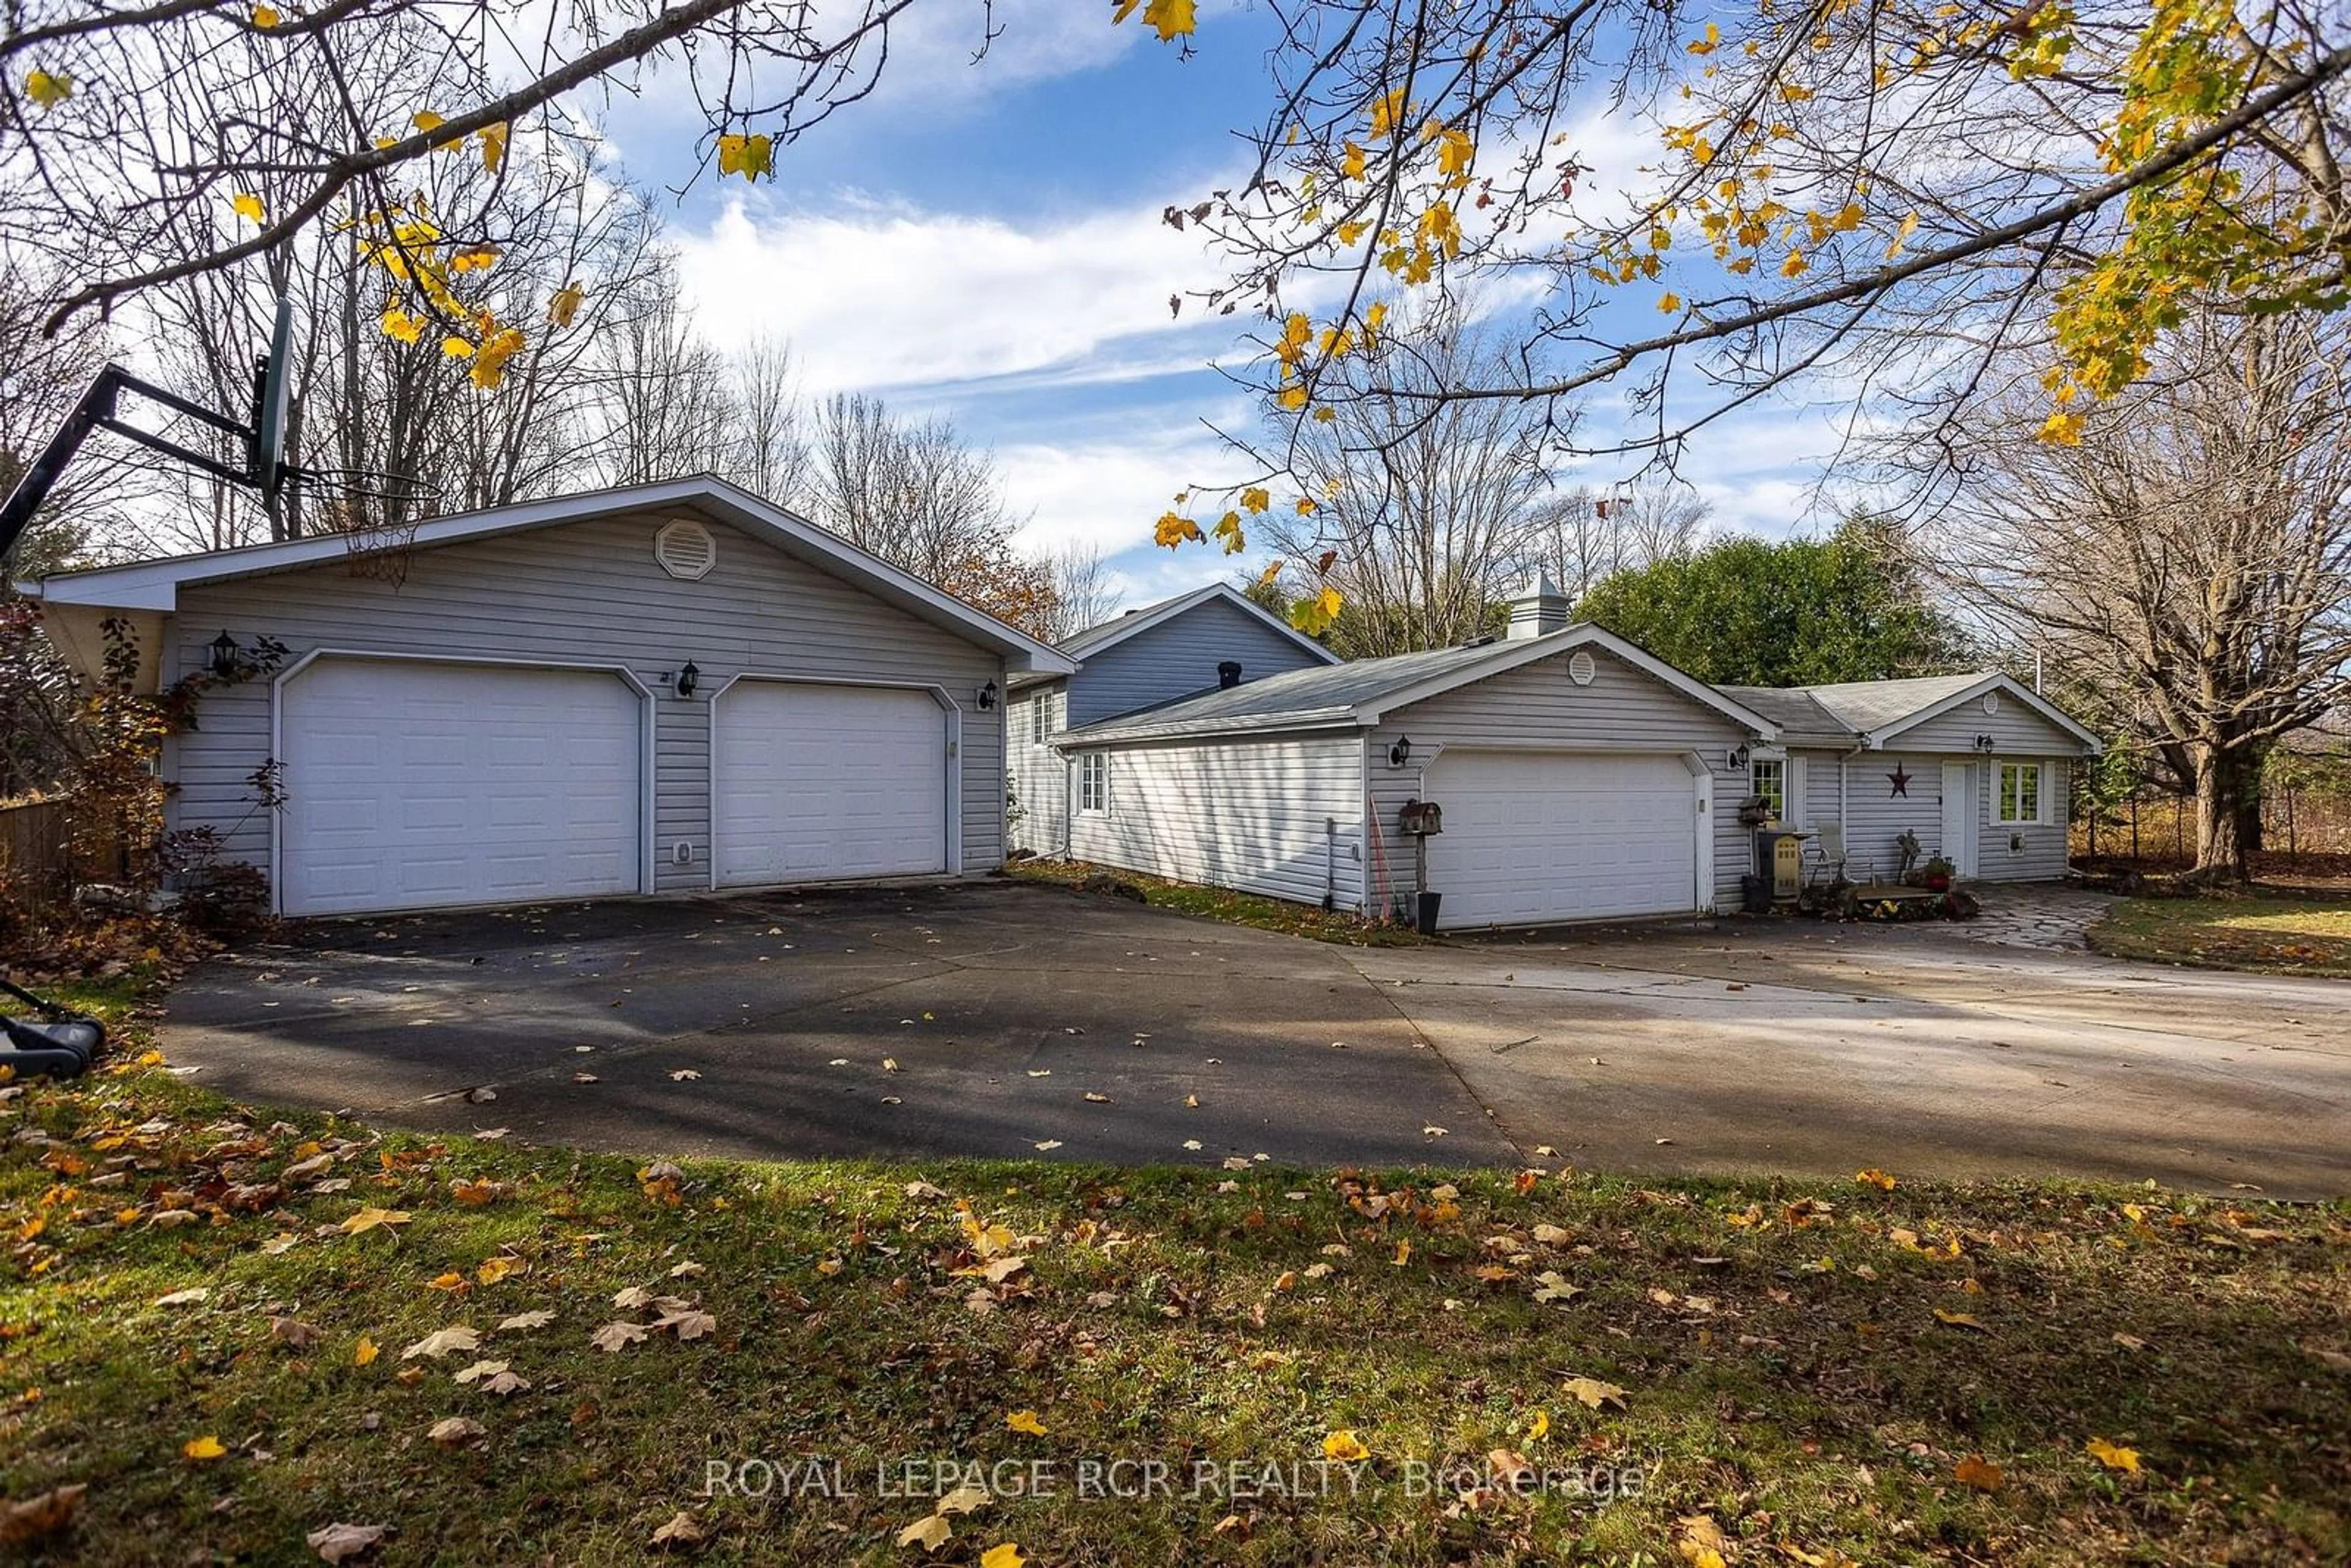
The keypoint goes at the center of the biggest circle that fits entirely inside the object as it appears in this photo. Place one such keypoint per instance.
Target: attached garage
(1577, 776)
(662, 689)
(820, 783)
(416, 784)
(1533, 837)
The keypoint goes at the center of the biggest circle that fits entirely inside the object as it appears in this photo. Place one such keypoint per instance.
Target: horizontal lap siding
(2025, 851)
(1249, 815)
(1179, 658)
(590, 593)
(1040, 777)
(1876, 816)
(1535, 705)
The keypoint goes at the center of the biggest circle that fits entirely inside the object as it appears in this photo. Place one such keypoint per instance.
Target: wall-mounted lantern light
(1985, 743)
(1401, 752)
(226, 654)
(687, 679)
(988, 697)
(1737, 759)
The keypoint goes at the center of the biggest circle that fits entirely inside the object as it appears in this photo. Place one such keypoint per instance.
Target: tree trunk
(2222, 784)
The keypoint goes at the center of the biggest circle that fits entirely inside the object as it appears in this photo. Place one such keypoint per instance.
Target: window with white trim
(1767, 777)
(1093, 781)
(2020, 792)
(1040, 717)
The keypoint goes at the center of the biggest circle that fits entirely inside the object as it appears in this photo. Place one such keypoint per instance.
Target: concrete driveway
(762, 1026)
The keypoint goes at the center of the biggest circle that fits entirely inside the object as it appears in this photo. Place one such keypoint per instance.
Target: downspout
(1330, 864)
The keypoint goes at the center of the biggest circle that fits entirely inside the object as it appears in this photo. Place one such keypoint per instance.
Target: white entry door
(412, 784)
(815, 783)
(1537, 836)
(1960, 815)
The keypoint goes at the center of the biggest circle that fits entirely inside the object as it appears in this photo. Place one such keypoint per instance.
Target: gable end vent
(1579, 668)
(686, 549)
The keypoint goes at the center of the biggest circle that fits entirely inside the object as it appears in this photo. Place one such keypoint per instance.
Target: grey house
(1579, 777)
(1976, 768)
(670, 689)
(1178, 648)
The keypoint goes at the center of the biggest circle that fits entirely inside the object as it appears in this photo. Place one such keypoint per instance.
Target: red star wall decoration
(1900, 780)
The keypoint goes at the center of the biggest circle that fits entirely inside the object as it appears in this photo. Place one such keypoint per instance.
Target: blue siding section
(1179, 658)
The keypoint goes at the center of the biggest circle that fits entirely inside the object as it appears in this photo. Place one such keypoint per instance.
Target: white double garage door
(1532, 837)
(414, 784)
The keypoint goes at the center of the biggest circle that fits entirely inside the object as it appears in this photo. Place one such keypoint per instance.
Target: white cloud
(891, 297)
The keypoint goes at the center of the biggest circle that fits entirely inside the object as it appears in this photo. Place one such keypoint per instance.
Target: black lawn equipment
(60, 1043)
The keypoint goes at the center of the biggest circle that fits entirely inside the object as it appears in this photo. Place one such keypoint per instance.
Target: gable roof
(1867, 714)
(1354, 693)
(1109, 633)
(155, 585)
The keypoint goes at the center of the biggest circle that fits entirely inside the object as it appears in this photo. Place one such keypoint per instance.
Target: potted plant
(1936, 874)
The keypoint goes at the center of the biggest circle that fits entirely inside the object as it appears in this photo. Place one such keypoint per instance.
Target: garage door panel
(418, 785)
(1541, 836)
(820, 783)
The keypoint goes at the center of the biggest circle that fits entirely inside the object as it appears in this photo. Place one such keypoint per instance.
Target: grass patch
(1809, 1369)
(1224, 903)
(2283, 935)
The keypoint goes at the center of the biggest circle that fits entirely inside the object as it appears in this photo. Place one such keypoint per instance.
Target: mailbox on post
(1417, 820)
(1420, 818)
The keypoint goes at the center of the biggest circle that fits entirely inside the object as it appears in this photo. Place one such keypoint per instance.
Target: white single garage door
(813, 783)
(1537, 836)
(412, 784)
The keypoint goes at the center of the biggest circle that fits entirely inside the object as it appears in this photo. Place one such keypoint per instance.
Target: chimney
(1229, 674)
(1538, 610)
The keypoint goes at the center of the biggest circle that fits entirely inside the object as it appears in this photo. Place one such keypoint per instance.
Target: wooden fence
(2294, 821)
(37, 864)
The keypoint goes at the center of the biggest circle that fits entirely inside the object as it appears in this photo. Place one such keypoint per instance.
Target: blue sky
(983, 242)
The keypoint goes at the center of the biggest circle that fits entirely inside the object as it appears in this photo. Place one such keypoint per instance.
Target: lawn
(236, 1329)
(1224, 903)
(2280, 935)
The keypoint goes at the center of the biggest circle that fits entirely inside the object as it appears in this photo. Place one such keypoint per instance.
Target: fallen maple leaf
(300, 1335)
(454, 1431)
(1005, 1556)
(681, 1530)
(475, 1192)
(443, 1341)
(187, 1298)
(1700, 1542)
(334, 1542)
(1960, 1320)
(364, 1352)
(2113, 1456)
(1550, 1285)
(1594, 1393)
(202, 1448)
(687, 1324)
(930, 1532)
(481, 1369)
(1344, 1447)
(500, 1267)
(615, 1336)
(1874, 1178)
(683, 1075)
(531, 1320)
(370, 1218)
(964, 1498)
(1979, 1472)
(632, 1297)
(1553, 1235)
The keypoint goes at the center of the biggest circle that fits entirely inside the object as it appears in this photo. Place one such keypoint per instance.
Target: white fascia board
(1207, 734)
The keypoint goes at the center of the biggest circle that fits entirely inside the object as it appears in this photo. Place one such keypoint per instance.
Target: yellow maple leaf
(1026, 1421)
(2063, 428)
(475, 1192)
(202, 1448)
(1709, 43)
(1172, 19)
(1345, 1447)
(425, 119)
(1540, 1428)
(1979, 1472)
(246, 205)
(1173, 529)
(564, 304)
(456, 347)
(930, 1532)
(1008, 1555)
(265, 17)
(1265, 578)
(1351, 162)
(2113, 1456)
(48, 88)
(1794, 266)
(1670, 302)
(493, 145)
(370, 1218)
(1874, 1178)
(498, 1268)
(1291, 397)
(366, 1351)
(749, 156)
(1256, 498)
(399, 324)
